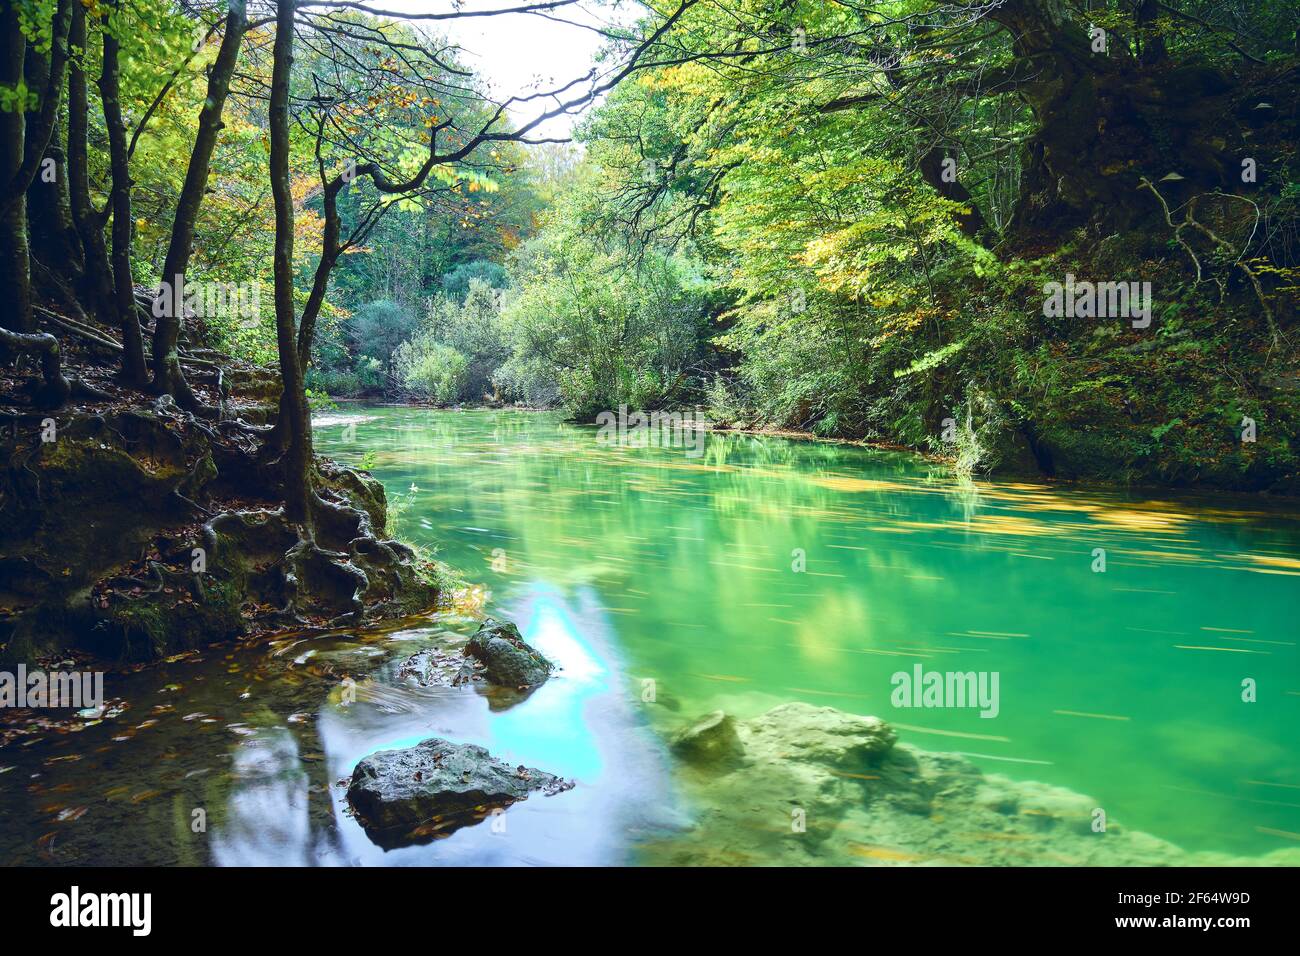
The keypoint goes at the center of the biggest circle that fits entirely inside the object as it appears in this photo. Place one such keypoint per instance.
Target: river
(667, 584)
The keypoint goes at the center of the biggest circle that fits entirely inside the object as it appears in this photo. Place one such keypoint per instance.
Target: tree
(22, 146)
(168, 377)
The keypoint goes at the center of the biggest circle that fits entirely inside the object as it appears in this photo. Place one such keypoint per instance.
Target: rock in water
(806, 785)
(711, 739)
(819, 734)
(507, 660)
(431, 789)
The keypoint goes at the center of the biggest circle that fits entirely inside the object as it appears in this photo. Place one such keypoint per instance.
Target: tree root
(1220, 244)
(55, 389)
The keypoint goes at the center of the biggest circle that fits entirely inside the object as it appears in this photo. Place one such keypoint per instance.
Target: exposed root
(1221, 246)
(55, 389)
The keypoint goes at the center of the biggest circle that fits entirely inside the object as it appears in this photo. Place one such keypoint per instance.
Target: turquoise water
(666, 586)
(1125, 684)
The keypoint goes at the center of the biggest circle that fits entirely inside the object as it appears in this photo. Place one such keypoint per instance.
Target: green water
(760, 572)
(1124, 684)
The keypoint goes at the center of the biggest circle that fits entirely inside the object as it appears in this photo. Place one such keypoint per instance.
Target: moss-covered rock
(114, 539)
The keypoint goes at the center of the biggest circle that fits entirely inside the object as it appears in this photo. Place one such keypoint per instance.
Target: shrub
(430, 370)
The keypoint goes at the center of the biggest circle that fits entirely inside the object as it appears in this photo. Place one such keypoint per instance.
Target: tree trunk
(54, 239)
(1107, 118)
(932, 171)
(168, 376)
(18, 333)
(133, 367)
(15, 273)
(294, 415)
(96, 290)
(45, 80)
(52, 236)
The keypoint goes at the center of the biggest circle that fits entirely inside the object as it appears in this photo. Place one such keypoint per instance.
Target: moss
(77, 514)
(157, 625)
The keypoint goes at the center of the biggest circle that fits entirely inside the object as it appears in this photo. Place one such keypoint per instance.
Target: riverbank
(1018, 460)
(131, 530)
(1289, 496)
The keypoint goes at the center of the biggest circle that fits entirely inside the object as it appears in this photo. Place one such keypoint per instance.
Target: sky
(514, 53)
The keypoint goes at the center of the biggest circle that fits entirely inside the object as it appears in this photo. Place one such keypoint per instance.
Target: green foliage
(377, 329)
(838, 293)
(608, 329)
(430, 371)
(471, 325)
(753, 232)
(456, 283)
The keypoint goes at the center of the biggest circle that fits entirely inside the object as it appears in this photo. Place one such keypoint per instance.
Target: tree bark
(970, 223)
(52, 236)
(48, 79)
(168, 376)
(1105, 118)
(17, 330)
(15, 272)
(96, 291)
(54, 239)
(133, 367)
(294, 415)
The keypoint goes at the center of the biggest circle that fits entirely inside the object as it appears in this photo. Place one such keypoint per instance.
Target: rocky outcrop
(132, 532)
(429, 790)
(506, 659)
(806, 785)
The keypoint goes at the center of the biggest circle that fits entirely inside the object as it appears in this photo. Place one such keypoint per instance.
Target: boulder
(431, 789)
(710, 740)
(819, 734)
(507, 660)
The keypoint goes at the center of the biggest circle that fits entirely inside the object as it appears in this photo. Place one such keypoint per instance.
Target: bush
(456, 283)
(472, 326)
(377, 329)
(605, 327)
(430, 371)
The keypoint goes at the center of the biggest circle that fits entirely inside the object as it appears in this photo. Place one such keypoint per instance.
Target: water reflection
(577, 725)
(266, 821)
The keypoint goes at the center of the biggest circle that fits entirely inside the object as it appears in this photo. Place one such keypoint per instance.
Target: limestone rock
(507, 660)
(710, 740)
(411, 795)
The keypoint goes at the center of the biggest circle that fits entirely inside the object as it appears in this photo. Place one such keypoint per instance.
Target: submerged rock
(806, 785)
(432, 667)
(823, 734)
(711, 739)
(507, 660)
(431, 789)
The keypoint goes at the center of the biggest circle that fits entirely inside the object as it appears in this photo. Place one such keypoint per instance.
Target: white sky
(518, 53)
